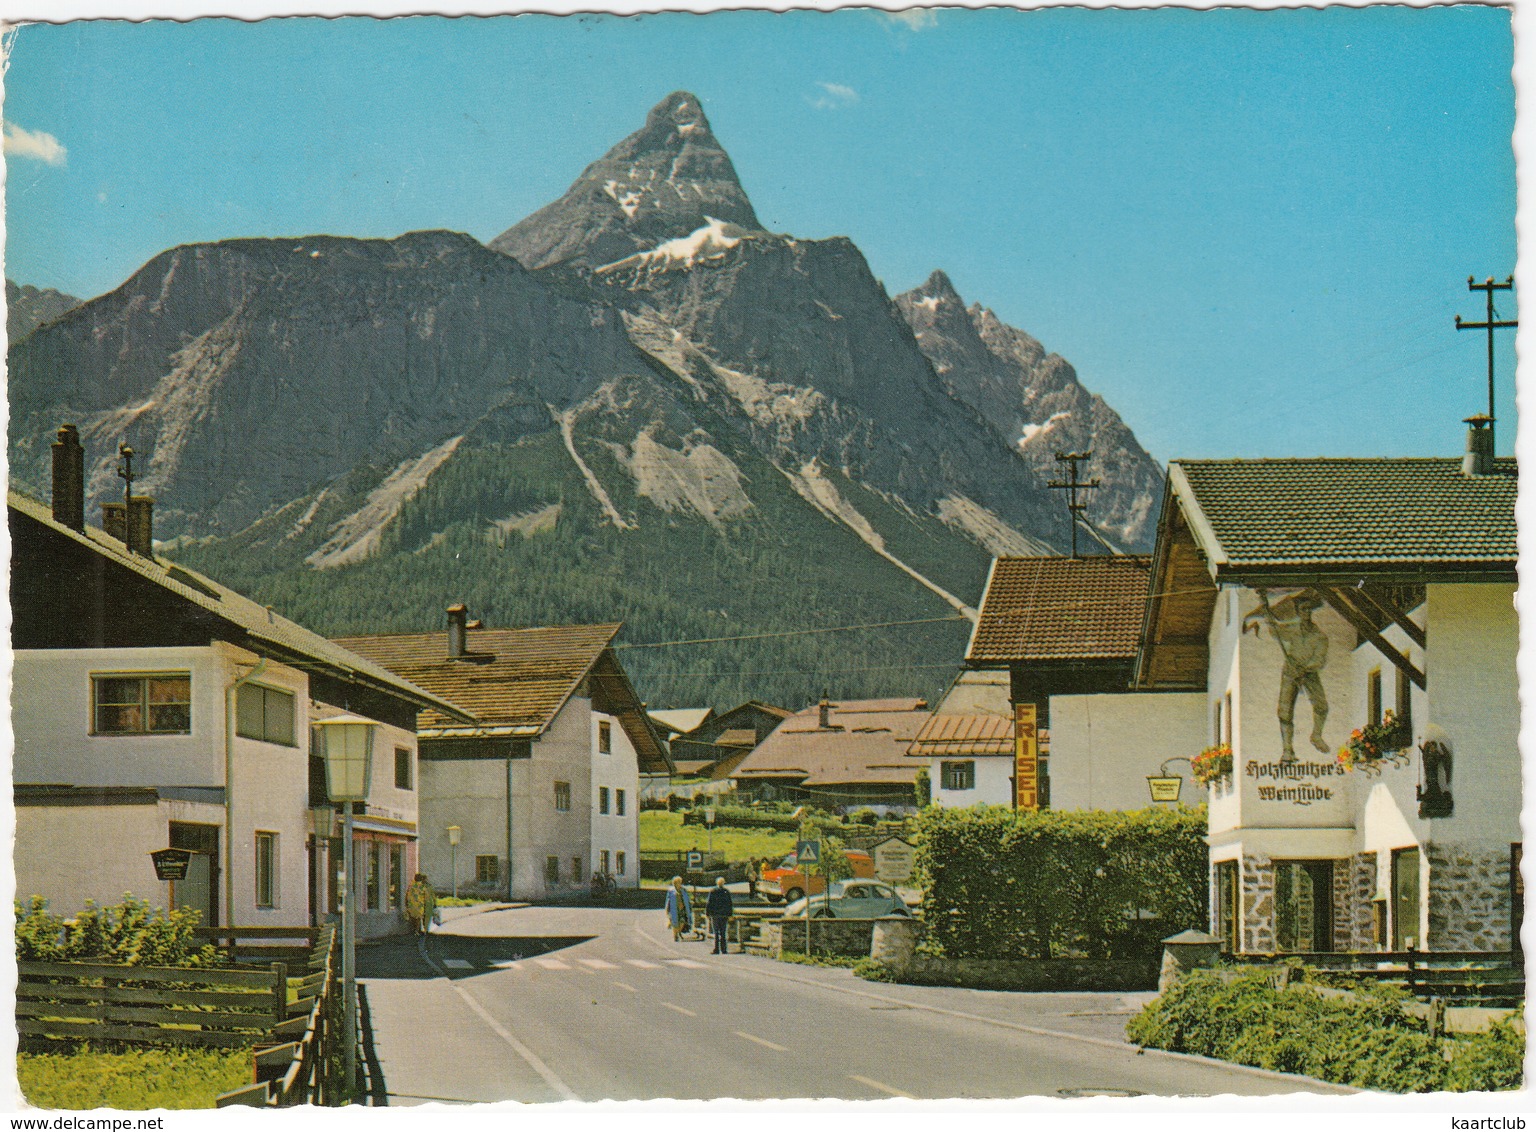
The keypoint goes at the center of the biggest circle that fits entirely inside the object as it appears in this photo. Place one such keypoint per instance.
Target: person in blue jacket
(719, 908)
(679, 910)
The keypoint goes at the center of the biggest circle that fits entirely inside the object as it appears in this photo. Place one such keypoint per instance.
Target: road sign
(807, 853)
(695, 860)
(709, 816)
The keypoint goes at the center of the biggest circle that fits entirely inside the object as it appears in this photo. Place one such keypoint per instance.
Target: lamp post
(347, 742)
(453, 842)
(1166, 787)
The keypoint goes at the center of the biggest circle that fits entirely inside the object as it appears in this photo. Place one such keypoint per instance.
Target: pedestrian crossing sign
(807, 853)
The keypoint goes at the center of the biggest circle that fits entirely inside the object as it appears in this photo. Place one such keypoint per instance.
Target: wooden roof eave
(631, 712)
(1187, 655)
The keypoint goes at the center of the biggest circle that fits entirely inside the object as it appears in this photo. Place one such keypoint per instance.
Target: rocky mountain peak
(663, 182)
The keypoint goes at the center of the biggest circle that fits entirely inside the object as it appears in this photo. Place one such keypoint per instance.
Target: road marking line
(640, 963)
(679, 1009)
(522, 1051)
(761, 1041)
(627, 987)
(597, 964)
(552, 965)
(873, 1084)
(458, 964)
(686, 963)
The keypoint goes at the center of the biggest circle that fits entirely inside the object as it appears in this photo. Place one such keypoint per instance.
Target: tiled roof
(1061, 609)
(866, 743)
(947, 735)
(517, 678)
(1354, 513)
(257, 623)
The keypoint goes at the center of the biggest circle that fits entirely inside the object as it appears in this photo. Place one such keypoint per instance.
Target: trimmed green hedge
(1005, 884)
(1368, 1041)
(131, 932)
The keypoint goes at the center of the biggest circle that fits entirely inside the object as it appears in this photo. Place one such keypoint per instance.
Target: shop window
(604, 737)
(562, 796)
(618, 800)
(403, 763)
(602, 799)
(154, 704)
(1405, 899)
(265, 714)
(266, 870)
(396, 876)
(958, 776)
(1228, 893)
(551, 870)
(1304, 905)
(375, 877)
(623, 863)
(488, 870)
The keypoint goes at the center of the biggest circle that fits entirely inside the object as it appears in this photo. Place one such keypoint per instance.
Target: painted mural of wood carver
(1305, 648)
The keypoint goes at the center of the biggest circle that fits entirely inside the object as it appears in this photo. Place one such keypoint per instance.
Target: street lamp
(346, 743)
(453, 841)
(1166, 787)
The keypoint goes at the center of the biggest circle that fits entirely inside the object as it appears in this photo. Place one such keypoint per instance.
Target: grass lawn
(137, 1079)
(662, 831)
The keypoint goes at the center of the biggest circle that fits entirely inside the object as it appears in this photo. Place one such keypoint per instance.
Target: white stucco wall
(471, 794)
(994, 782)
(618, 770)
(1104, 746)
(563, 754)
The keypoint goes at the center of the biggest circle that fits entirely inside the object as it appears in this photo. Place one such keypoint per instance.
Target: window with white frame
(487, 870)
(264, 713)
(618, 800)
(154, 703)
(266, 869)
(958, 775)
(562, 796)
(602, 799)
(623, 863)
(604, 737)
(603, 863)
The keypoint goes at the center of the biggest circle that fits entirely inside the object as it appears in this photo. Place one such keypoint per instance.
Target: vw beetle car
(851, 900)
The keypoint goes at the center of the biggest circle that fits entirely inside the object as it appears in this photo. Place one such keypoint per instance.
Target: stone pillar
(1184, 952)
(893, 943)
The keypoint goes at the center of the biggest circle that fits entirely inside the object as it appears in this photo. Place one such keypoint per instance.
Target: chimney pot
(114, 520)
(458, 624)
(141, 525)
(69, 479)
(1479, 458)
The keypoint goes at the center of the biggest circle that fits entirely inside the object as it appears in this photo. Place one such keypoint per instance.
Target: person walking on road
(679, 909)
(753, 875)
(719, 908)
(420, 903)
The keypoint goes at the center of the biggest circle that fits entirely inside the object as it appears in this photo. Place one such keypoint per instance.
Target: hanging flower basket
(1375, 745)
(1212, 764)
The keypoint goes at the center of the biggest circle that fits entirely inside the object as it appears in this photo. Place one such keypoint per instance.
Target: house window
(619, 803)
(1227, 896)
(266, 870)
(1304, 905)
(1226, 719)
(562, 796)
(604, 737)
(1405, 898)
(623, 863)
(1405, 699)
(487, 870)
(602, 799)
(1373, 697)
(575, 870)
(603, 863)
(158, 704)
(958, 776)
(374, 877)
(1216, 714)
(396, 875)
(265, 714)
(402, 768)
(551, 870)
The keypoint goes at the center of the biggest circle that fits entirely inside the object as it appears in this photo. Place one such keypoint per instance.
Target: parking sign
(695, 860)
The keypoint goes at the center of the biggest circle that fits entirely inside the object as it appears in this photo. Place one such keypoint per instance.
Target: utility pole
(1489, 287)
(1072, 485)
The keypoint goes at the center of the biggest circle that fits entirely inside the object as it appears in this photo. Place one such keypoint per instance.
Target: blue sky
(1248, 230)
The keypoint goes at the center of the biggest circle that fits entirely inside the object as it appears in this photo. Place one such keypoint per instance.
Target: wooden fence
(1487, 978)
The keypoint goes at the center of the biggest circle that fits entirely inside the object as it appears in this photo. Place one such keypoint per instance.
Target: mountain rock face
(635, 404)
(28, 307)
(668, 179)
(1034, 402)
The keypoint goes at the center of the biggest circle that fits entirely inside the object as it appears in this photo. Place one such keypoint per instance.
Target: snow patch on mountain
(356, 537)
(822, 494)
(698, 478)
(709, 242)
(1030, 431)
(995, 536)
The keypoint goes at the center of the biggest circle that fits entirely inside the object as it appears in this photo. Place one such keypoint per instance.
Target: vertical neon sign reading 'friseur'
(1026, 758)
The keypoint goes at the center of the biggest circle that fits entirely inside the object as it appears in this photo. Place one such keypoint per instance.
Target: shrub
(873, 970)
(1493, 1059)
(131, 932)
(1011, 883)
(1368, 1040)
(922, 788)
(865, 816)
(134, 1079)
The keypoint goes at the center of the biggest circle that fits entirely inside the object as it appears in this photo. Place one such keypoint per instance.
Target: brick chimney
(824, 714)
(69, 479)
(132, 524)
(458, 631)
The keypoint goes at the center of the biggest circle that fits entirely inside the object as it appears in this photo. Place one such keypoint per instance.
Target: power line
(794, 632)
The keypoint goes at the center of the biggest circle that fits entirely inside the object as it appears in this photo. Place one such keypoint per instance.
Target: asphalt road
(548, 1004)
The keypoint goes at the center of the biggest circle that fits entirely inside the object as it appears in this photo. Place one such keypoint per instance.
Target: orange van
(788, 882)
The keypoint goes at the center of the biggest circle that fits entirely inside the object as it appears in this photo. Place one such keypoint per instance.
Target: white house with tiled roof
(153, 708)
(1303, 600)
(544, 789)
